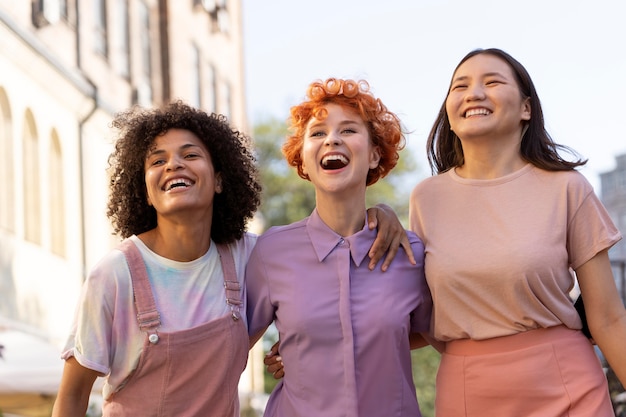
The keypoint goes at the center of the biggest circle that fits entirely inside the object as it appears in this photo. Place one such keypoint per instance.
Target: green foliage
(288, 198)
(425, 364)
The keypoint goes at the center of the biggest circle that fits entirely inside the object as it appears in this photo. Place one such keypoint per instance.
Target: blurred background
(67, 66)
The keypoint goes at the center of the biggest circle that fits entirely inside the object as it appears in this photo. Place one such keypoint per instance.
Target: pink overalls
(188, 373)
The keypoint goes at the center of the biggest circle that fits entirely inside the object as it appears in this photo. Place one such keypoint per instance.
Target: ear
(218, 183)
(526, 110)
(374, 157)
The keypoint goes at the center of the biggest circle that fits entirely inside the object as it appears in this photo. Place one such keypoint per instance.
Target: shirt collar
(325, 240)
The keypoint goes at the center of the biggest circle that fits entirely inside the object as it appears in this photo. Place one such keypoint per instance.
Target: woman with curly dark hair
(343, 329)
(161, 316)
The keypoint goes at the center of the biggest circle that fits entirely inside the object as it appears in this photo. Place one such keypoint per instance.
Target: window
(212, 90)
(226, 106)
(122, 39)
(7, 173)
(143, 87)
(218, 10)
(57, 197)
(196, 82)
(32, 203)
(47, 12)
(100, 27)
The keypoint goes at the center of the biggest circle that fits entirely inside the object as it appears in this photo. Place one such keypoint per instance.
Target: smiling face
(179, 174)
(485, 100)
(337, 152)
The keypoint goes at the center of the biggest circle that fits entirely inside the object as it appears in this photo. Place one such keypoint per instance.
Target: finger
(406, 245)
(271, 360)
(391, 253)
(377, 251)
(372, 218)
(272, 369)
(279, 374)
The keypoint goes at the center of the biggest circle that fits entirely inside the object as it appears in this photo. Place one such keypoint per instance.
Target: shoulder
(572, 181)
(242, 248)
(430, 184)
(279, 232)
(113, 263)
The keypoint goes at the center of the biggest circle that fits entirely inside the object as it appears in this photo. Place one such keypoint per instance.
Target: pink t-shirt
(499, 252)
(344, 330)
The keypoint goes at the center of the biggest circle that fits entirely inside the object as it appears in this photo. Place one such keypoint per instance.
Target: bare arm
(76, 384)
(391, 235)
(605, 312)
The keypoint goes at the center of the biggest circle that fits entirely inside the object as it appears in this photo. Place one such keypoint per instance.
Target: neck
(179, 241)
(490, 159)
(344, 216)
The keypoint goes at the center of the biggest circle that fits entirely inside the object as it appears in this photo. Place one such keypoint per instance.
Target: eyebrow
(158, 151)
(487, 74)
(342, 123)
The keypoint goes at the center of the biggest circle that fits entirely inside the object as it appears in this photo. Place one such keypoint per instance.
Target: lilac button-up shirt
(344, 330)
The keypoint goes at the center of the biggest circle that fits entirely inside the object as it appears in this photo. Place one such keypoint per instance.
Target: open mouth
(332, 162)
(477, 112)
(177, 183)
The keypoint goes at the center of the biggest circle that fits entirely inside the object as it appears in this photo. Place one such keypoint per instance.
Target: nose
(475, 92)
(333, 138)
(174, 163)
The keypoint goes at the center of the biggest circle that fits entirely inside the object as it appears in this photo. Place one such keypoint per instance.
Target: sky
(574, 50)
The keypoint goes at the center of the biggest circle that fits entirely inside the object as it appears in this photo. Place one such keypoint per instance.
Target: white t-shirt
(105, 335)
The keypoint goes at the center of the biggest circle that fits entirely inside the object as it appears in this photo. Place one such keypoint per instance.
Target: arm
(255, 337)
(391, 235)
(416, 341)
(76, 384)
(605, 312)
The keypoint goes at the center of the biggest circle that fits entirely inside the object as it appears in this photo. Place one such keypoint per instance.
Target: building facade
(613, 186)
(66, 67)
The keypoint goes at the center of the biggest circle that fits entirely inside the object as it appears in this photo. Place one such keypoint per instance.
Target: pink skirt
(539, 373)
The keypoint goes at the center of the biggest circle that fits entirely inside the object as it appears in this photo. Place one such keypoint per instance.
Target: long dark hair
(444, 147)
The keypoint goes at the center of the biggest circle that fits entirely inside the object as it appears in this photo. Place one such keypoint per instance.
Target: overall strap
(231, 284)
(148, 317)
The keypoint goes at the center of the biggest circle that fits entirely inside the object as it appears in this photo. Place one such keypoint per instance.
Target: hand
(391, 235)
(274, 363)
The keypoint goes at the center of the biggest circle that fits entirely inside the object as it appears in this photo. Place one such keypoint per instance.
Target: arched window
(32, 199)
(7, 171)
(57, 196)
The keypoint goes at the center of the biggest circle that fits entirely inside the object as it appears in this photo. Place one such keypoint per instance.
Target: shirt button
(153, 338)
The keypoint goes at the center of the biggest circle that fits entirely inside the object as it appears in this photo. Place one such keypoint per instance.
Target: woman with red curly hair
(344, 329)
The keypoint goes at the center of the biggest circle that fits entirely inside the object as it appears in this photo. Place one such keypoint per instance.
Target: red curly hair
(384, 126)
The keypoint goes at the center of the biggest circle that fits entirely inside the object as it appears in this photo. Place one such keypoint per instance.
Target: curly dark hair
(444, 147)
(384, 126)
(231, 153)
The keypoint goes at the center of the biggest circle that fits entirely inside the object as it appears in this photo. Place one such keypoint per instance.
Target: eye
(493, 82)
(157, 162)
(317, 133)
(458, 87)
(192, 155)
(348, 130)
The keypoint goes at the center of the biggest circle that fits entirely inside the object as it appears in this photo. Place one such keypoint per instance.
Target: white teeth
(476, 112)
(177, 182)
(334, 157)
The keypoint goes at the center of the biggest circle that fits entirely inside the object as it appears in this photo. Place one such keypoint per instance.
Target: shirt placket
(342, 253)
